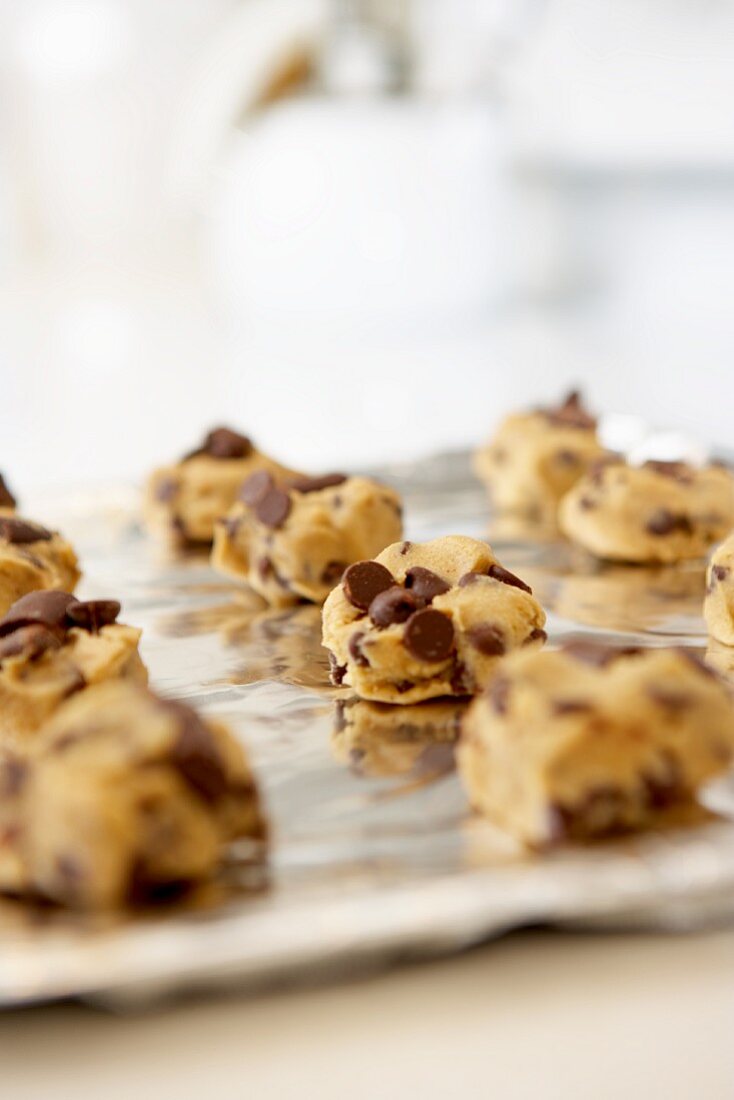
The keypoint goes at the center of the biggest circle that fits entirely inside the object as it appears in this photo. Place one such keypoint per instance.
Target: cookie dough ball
(128, 796)
(657, 512)
(536, 457)
(292, 540)
(718, 606)
(32, 557)
(589, 740)
(184, 501)
(379, 740)
(426, 620)
(52, 646)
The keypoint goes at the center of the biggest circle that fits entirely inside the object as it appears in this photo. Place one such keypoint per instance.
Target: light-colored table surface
(536, 1015)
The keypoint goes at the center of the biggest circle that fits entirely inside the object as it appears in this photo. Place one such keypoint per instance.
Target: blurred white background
(357, 229)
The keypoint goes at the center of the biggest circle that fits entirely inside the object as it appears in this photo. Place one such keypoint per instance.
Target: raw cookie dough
(53, 645)
(590, 740)
(32, 557)
(426, 620)
(657, 512)
(127, 797)
(292, 540)
(718, 606)
(185, 500)
(379, 740)
(536, 457)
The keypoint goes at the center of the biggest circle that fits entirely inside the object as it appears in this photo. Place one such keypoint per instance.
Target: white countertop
(538, 1014)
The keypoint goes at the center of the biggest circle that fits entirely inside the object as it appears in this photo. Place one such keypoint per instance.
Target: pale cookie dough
(52, 646)
(127, 797)
(590, 740)
(426, 620)
(292, 540)
(718, 606)
(657, 512)
(536, 457)
(184, 501)
(32, 557)
(378, 740)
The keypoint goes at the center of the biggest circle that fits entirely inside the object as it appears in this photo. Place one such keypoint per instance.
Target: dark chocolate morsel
(678, 471)
(597, 654)
(32, 641)
(195, 754)
(314, 484)
(332, 572)
(487, 639)
(425, 584)
(355, 649)
(7, 500)
(571, 706)
(48, 607)
(537, 634)
(364, 580)
(665, 522)
(429, 635)
(337, 672)
(394, 605)
(719, 572)
(13, 775)
(273, 508)
(224, 443)
(21, 531)
(256, 486)
(571, 413)
(92, 615)
(501, 574)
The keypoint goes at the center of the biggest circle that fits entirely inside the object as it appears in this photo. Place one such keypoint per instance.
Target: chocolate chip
(7, 500)
(21, 531)
(429, 635)
(536, 635)
(571, 413)
(678, 471)
(597, 654)
(719, 572)
(504, 575)
(498, 693)
(364, 580)
(586, 504)
(256, 486)
(315, 484)
(195, 753)
(459, 684)
(405, 547)
(425, 584)
(567, 458)
(570, 706)
(394, 605)
(487, 639)
(224, 443)
(337, 672)
(665, 522)
(31, 641)
(166, 490)
(49, 608)
(332, 572)
(355, 649)
(669, 699)
(92, 615)
(272, 509)
(13, 775)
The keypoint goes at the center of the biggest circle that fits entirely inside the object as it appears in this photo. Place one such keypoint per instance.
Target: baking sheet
(374, 856)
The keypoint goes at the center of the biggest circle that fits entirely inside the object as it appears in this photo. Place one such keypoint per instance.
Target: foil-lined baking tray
(374, 857)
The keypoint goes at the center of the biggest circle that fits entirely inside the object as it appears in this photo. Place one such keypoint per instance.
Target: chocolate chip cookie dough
(52, 646)
(291, 540)
(718, 607)
(426, 620)
(536, 457)
(127, 796)
(657, 512)
(183, 501)
(32, 557)
(590, 740)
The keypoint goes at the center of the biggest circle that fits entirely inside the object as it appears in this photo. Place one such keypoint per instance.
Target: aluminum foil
(374, 856)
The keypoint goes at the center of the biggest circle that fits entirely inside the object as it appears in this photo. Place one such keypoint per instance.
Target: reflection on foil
(374, 853)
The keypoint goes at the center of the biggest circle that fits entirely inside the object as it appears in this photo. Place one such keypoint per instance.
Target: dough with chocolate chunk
(127, 796)
(52, 646)
(292, 540)
(426, 620)
(718, 607)
(379, 740)
(183, 501)
(32, 557)
(590, 740)
(657, 512)
(536, 457)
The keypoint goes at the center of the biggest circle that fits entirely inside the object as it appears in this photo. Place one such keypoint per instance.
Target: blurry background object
(360, 229)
